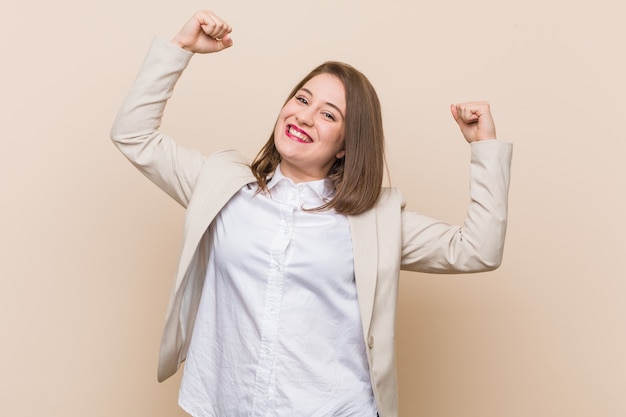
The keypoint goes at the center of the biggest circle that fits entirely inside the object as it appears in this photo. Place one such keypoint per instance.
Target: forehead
(327, 88)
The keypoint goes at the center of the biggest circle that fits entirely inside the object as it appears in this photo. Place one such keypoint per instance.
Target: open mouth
(297, 134)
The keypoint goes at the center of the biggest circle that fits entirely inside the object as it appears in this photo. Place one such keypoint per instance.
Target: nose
(306, 116)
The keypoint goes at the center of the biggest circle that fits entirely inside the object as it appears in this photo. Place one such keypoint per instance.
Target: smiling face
(309, 133)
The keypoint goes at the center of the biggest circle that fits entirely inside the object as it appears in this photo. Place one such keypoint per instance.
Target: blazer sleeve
(429, 245)
(136, 133)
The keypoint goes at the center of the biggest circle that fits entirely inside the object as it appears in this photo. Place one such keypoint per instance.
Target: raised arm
(136, 131)
(429, 245)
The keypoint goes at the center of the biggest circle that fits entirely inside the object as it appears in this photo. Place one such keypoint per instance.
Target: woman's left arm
(429, 245)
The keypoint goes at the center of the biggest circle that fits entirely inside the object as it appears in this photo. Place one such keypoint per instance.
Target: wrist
(179, 43)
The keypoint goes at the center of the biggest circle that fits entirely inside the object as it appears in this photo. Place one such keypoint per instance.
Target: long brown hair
(357, 177)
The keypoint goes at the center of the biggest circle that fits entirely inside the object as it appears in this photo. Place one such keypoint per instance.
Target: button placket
(273, 299)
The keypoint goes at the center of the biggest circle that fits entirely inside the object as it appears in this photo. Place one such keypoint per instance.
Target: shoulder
(227, 166)
(389, 197)
(228, 156)
(224, 172)
(388, 207)
(227, 162)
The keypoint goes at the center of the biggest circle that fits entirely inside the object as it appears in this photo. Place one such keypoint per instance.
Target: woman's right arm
(136, 128)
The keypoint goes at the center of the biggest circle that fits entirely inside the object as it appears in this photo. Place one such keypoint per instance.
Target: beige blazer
(386, 238)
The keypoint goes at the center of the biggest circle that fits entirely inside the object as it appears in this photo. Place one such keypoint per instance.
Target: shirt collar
(322, 188)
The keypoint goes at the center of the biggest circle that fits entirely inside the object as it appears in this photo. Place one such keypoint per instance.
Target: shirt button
(370, 342)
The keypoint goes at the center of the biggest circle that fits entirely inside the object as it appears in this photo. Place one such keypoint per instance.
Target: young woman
(285, 296)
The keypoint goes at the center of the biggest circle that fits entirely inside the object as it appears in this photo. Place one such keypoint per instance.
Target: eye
(329, 115)
(302, 99)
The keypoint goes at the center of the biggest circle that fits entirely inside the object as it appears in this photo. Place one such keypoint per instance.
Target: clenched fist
(475, 121)
(204, 33)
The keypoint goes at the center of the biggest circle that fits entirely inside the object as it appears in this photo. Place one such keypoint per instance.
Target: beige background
(88, 246)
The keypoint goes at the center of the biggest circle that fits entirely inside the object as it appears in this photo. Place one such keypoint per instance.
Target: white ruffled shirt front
(278, 331)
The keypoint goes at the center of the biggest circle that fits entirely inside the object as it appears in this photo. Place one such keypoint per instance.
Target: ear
(340, 154)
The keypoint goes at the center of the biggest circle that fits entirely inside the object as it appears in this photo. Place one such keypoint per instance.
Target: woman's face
(309, 133)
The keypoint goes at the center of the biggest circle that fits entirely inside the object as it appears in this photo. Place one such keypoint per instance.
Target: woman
(288, 274)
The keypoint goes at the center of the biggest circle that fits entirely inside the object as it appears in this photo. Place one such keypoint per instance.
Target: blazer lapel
(223, 177)
(365, 248)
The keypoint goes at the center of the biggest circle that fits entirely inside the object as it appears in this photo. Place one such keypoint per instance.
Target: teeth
(299, 135)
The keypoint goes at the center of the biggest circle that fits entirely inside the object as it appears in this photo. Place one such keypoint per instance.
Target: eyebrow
(327, 103)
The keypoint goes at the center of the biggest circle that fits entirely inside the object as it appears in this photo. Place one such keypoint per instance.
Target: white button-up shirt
(278, 331)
